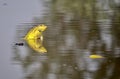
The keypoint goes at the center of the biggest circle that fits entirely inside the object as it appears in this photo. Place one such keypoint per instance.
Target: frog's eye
(40, 31)
(42, 27)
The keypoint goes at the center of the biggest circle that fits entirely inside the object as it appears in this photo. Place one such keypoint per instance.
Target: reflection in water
(75, 31)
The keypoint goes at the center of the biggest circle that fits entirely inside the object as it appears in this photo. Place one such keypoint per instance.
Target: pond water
(13, 13)
(74, 33)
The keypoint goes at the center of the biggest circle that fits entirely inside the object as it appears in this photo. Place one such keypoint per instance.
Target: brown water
(71, 37)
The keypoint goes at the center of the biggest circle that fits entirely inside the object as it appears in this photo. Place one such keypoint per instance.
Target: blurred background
(76, 29)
